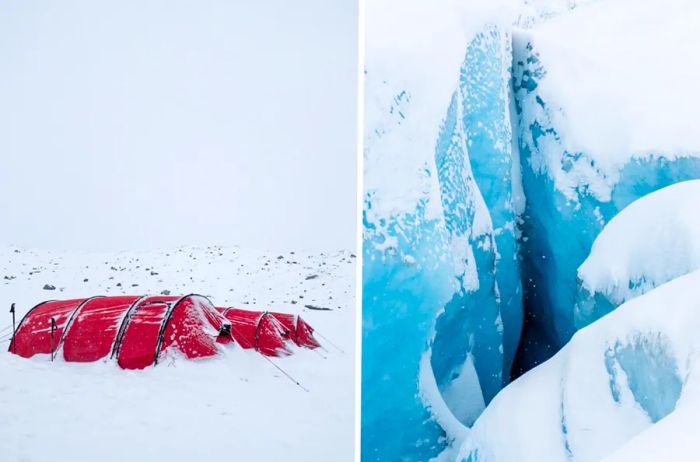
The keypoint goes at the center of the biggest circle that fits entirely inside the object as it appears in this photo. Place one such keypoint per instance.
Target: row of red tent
(137, 330)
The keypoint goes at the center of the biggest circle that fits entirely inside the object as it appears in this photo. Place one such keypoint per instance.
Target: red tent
(33, 335)
(293, 327)
(94, 328)
(259, 330)
(135, 330)
(301, 333)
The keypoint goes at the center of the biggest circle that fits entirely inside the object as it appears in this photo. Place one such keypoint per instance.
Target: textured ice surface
(613, 380)
(597, 129)
(408, 269)
(440, 280)
(653, 240)
(473, 159)
(402, 287)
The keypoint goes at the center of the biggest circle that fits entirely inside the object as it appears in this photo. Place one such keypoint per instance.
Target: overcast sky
(154, 123)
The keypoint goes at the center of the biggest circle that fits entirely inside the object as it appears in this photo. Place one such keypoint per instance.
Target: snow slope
(607, 391)
(651, 241)
(237, 405)
(672, 438)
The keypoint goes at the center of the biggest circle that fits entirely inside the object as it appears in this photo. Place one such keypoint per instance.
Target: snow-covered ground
(236, 406)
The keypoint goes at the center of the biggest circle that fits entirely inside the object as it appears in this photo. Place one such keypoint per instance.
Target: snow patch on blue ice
(651, 374)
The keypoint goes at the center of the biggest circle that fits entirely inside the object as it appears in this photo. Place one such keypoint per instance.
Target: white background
(148, 124)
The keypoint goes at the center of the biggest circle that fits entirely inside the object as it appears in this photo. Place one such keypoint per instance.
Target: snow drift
(612, 381)
(652, 241)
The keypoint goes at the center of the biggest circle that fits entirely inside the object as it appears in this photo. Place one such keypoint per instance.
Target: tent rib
(26, 315)
(66, 327)
(166, 319)
(163, 325)
(123, 325)
(257, 330)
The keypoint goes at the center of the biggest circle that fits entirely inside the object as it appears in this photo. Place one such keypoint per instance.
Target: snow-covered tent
(134, 330)
(268, 332)
(259, 330)
(300, 332)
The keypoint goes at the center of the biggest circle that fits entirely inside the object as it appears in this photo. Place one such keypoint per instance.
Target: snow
(671, 438)
(619, 96)
(618, 385)
(651, 241)
(532, 12)
(236, 405)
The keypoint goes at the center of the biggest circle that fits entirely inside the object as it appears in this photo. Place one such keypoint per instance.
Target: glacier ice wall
(440, 275)
(571, 195)
(402, 288)
(473, 159)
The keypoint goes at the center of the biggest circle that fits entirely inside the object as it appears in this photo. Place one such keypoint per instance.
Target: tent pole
(53, 328)
(14, 346)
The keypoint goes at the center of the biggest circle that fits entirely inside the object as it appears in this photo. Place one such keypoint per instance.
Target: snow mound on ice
(617, 79)
(532, 12)
(651, 241)
(615, 379)
(672, 438)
